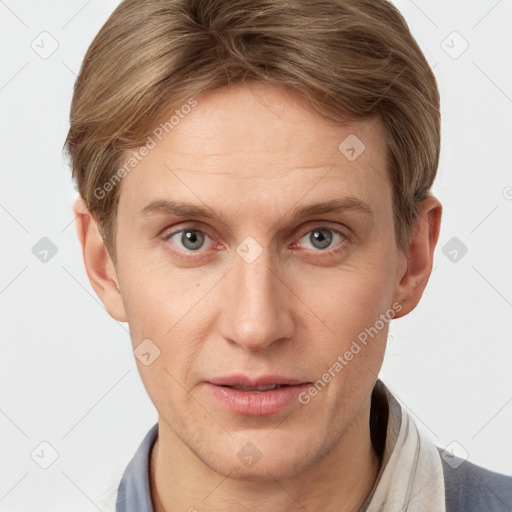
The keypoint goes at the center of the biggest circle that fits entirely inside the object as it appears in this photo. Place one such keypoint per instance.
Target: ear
(98, 264)
(419, 259)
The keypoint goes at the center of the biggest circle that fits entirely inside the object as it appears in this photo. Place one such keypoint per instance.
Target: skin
(253, 154)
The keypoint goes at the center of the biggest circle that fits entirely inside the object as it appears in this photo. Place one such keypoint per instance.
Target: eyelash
(191, 254)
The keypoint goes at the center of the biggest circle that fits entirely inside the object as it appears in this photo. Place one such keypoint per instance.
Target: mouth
(258, 389)
(256, 396)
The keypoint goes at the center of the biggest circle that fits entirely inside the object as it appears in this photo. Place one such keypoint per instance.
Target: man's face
(255, 290)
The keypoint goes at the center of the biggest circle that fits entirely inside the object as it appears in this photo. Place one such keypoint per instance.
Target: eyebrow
(183, 209)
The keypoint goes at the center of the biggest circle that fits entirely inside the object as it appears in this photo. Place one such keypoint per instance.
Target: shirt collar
(134, 493)
(385, 419)
(385, 423)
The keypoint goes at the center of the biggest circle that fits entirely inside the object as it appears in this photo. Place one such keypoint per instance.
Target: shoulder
(472, 488)
(134, 493)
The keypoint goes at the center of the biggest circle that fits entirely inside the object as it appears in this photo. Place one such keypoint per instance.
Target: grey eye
(321, 238)
(190, 239)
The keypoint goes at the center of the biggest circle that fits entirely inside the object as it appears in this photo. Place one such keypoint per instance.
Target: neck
(340, 480)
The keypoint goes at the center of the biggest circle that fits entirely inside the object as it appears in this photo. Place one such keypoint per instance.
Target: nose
(257, 303)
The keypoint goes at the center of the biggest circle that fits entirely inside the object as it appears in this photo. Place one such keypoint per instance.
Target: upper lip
(253, 382)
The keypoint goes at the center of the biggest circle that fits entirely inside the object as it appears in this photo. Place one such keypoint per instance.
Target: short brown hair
(349, 59)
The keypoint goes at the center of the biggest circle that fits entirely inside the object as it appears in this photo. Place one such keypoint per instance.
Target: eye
(191, 240)
(322, 238)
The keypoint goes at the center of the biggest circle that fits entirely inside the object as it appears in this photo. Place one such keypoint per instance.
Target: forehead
(247, 145)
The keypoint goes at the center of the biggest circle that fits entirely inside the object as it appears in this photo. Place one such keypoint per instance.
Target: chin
(263, 471)
(269, 463)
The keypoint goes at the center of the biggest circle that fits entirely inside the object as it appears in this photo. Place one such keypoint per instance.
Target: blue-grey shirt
(468, 487)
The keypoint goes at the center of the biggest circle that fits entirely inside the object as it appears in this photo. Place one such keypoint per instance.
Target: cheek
(348, 300)
(357, 311)
(169, 311)
(154, 299)
(157, 312)
(147, 308)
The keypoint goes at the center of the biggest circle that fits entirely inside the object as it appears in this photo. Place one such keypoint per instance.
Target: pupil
(319, 240)
(191, 240)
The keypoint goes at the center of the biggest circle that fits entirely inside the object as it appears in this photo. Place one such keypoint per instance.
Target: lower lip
(254, 403)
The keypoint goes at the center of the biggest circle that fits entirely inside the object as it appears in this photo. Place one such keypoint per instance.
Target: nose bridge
(256, 315)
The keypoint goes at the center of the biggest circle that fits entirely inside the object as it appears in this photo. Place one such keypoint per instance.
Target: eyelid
(187, 227)
(322, 225)
(192, 226)
(311, 226)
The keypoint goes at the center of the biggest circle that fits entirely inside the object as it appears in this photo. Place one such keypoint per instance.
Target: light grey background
(68, 373)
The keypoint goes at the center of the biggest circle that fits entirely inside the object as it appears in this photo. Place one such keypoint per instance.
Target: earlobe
(424, 236)
(98, 264)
